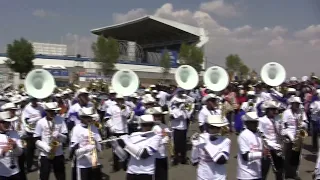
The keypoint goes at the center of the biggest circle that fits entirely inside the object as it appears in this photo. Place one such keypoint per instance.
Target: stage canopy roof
(151, 30)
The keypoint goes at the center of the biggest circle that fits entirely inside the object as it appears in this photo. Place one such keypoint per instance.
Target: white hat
(305, 78)
(216, 120)
(53, 106)
(294, 99)
(251, 93)
(270, 104)
(16, 99)
(147, 100)
(291, 90)
(6, 116)
(155, 110)
(134, 95)
(209, 96)
(154, 91)
(250, 116)
(293, 78)
(82, 91)
(152, 86)
(8, 106)
(119, 96)
(147, 118)
(58, 95)
(87, 111)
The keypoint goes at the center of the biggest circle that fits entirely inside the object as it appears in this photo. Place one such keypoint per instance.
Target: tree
(20, 57)
(191, 55)
(235, 65)
(165, 64)
(106, 53)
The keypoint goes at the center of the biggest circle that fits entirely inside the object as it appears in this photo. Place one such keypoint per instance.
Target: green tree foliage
(20, 56)
(235, 64)
(106, 53)
(165, 64)
(191, 55)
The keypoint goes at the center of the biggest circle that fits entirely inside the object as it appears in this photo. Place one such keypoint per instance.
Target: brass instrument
(265, 146)
(301, 133)
(97, 124)
(170, 145)
(12, 161)
(224, 129)
(94, 158)
(54, 143)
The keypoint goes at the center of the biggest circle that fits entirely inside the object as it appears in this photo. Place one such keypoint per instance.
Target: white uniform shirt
(291, 119)
(267, 127)
(162, 151)
(73, 112)
(43, 130)
(248, 142)
(179, 120)
(5, 161)
(107, 104)
(205, 112)
(162, 96)
(118, 118)
(207, 168)
(144, 166)
(80, 135)
(33, 114)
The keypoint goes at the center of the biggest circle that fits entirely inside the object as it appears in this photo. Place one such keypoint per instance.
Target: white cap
(6, 116)
(294, 99)
(216, 120)
(8, 106)
(147, 118)
(87, 111)
(51, 106)
(250, 116)
(155, 110)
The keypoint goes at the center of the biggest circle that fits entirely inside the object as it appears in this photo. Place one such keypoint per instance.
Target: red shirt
(241, 99)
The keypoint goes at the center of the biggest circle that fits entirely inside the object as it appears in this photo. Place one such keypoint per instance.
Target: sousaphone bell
(216, 78)
(125, 82)
(273, 74)
(186, 77)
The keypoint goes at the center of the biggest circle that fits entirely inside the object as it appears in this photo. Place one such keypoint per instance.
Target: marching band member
(294, 121)
(17, 126)
(85, 144)
(210, 151)
(161, 171)
(50, 133)
(83, 101)
(250, 149)
(10, 148)
(210, 108)
(179, 115)
(118, 124)
(316, 172)
(142, 147)
(31, 114)
(247, 106)
(270, 128)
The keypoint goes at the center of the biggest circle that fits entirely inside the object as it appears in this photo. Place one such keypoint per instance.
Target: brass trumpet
(225, 130)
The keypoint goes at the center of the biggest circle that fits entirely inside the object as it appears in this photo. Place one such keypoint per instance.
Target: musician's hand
(55, 134)
(6, 149)
(265, 152)
(12, 143)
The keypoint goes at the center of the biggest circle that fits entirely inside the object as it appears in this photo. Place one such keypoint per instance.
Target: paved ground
(188, 172)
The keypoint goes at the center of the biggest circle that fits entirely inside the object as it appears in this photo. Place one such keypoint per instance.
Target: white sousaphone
(273, 74)
(216, 78)
(125, 82)
(39, 84)
(186, 77)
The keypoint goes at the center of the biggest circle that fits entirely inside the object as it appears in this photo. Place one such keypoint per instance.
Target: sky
(259, 31)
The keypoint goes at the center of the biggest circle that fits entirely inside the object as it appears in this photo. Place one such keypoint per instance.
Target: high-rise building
(50, 49)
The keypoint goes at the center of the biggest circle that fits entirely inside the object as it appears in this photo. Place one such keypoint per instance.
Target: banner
(59, 72)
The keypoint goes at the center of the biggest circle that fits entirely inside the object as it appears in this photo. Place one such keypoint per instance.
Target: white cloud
(132, 14)
(220, 8)
(298, 51)
(43, 13)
